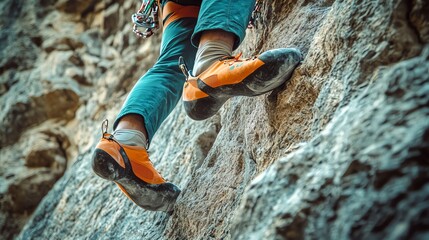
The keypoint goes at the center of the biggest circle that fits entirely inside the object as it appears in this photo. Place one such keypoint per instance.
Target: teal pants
(156, 94)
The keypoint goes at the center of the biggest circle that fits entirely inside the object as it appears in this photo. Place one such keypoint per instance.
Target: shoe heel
(203, 108)
(106, 167)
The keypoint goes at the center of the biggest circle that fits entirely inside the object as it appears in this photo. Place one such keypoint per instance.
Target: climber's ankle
(133, 122)
(214, 44)
(217, 35)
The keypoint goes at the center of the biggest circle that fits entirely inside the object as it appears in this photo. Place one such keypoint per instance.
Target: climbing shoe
(203, 95)
(131, 169)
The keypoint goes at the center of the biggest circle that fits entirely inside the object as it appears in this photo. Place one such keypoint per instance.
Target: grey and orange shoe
(204, 95)
(131, 169)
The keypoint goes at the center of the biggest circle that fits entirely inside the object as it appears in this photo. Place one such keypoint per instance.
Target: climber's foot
(130, 168)
(203, 95)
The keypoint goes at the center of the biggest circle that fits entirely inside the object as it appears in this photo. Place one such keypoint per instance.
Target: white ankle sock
(130, 137)
(208, 53)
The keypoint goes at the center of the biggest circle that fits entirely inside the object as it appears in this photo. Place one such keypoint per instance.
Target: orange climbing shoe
(203, 95)
(131, 169)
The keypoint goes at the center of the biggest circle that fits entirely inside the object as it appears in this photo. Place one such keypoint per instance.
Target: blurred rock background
(340, 152)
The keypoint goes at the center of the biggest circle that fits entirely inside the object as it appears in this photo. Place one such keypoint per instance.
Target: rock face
(54, 89)
(340, 152)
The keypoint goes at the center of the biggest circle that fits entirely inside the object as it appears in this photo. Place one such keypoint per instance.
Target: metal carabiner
(104, 127)
(146, 17)
(184, 68)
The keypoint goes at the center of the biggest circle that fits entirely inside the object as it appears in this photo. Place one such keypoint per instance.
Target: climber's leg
(156, 94)
(122, 157)
(218, 76)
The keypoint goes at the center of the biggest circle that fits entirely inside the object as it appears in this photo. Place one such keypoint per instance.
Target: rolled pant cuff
(227, 15)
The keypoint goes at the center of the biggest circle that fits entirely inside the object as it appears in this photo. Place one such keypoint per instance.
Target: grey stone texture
(341, 151)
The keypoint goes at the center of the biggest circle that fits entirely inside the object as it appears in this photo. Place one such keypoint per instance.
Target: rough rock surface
(340, 152)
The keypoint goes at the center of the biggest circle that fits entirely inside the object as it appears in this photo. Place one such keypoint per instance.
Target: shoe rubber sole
(153, 197)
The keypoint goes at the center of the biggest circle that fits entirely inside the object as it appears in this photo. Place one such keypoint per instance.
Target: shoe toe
(291, 56)
(161, 198)
(278, 67)
(153, 197)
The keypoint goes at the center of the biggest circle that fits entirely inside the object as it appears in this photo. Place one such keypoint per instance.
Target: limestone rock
(419, 19)
(111, 19)
(61, 44)
(339, 152)
(53, 84)
(34, 165)
(352, 182)
(78, 6)
(19, 115)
